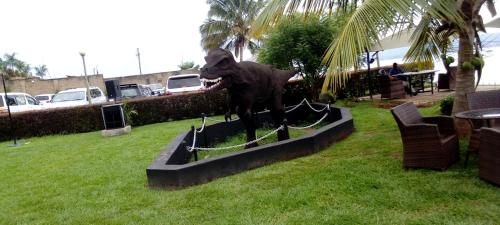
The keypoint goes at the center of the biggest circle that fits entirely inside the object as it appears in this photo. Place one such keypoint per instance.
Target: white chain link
(308, 104)
(190, 149)
(296, 107)
(312, 125)
(202, 126)
(193, 147)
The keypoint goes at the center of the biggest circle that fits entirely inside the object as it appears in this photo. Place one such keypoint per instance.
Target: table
(421, 74)
(480, 117)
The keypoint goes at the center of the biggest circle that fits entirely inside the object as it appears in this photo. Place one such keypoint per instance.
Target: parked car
(18, 102)
(157, 89)
(183, 83)
(76, 97)
(135, 90)
(44, 98)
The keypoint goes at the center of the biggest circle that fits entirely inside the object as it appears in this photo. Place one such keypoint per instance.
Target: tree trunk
(464, 77)
(241, 53)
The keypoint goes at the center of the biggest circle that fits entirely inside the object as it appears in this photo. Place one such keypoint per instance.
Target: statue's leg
(278, 116)
(247, 118)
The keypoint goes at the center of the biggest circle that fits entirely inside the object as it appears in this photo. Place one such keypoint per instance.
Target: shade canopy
(494, 23)
(397, 40)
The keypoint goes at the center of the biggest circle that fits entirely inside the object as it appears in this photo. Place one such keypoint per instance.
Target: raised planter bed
(173, 169)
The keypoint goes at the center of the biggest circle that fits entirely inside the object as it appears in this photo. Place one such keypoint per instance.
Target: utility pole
(86, 80)
(139, 59)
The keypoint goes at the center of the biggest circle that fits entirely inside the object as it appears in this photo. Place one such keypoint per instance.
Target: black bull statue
(249, 84)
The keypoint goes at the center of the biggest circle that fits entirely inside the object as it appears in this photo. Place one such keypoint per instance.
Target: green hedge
(89, 118)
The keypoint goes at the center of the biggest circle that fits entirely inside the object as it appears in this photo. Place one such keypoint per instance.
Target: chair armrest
(446, 124)
(423, 130)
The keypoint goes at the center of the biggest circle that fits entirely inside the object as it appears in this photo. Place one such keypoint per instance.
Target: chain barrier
(193, 147)
(308, 104)
(202, 126)
(312, 125)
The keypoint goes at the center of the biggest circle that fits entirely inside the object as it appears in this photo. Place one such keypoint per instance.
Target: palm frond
(362, 28)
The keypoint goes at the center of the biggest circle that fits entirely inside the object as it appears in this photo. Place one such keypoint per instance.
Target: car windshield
(69, 96)
(42, 98)
(129, 92)
(181, 82)
(155, 86)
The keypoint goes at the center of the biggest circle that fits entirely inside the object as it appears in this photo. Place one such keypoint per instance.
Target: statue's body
(249, 84)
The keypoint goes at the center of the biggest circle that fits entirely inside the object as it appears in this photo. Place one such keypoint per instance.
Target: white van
(76, 97)
(18, 102)
(183, 83)
(44, 98)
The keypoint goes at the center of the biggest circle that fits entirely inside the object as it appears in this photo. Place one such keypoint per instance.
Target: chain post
(285, 129)
(195, 152)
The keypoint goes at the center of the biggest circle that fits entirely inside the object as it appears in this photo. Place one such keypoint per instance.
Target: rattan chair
(481, 100)
(391, 89)
(489, 155)
(428, 142)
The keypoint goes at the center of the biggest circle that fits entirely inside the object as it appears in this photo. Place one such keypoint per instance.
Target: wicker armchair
(489, 155)
(391, 89)
(481, 100)
(428, 142)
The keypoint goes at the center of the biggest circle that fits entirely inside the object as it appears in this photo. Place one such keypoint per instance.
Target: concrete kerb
(172, 169)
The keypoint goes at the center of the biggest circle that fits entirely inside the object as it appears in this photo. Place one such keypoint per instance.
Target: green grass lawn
(88, 179)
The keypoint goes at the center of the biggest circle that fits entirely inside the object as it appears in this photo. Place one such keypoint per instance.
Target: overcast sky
(53, 32)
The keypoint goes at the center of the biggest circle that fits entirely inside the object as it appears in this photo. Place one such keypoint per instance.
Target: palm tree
(23, 69)
(14, 66)
(374, 17)
(228, 25)
(10, 60)
(41, 70)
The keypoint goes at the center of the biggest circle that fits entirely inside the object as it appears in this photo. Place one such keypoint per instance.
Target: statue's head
(220, 65)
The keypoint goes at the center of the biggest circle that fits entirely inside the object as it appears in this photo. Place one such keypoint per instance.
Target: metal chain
(312, 125)
(193, 147)
(308, 104)
(202, 126)
(296, 107)
(190, 149)
(315, 110)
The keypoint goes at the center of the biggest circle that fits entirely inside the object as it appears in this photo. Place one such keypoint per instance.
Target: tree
(435, 35)
(371, 18)
(298, 43)
(228, 25)
(15, 67)
(41, 70)
(188, 65)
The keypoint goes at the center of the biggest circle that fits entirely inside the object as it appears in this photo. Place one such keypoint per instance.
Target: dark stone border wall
(172, 168)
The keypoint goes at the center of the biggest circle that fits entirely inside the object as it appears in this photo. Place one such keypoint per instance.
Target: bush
(89, 118)
(446, 105)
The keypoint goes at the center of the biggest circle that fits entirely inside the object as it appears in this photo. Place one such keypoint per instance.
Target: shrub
(89, 118)
(446, 105)
(449, 60)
